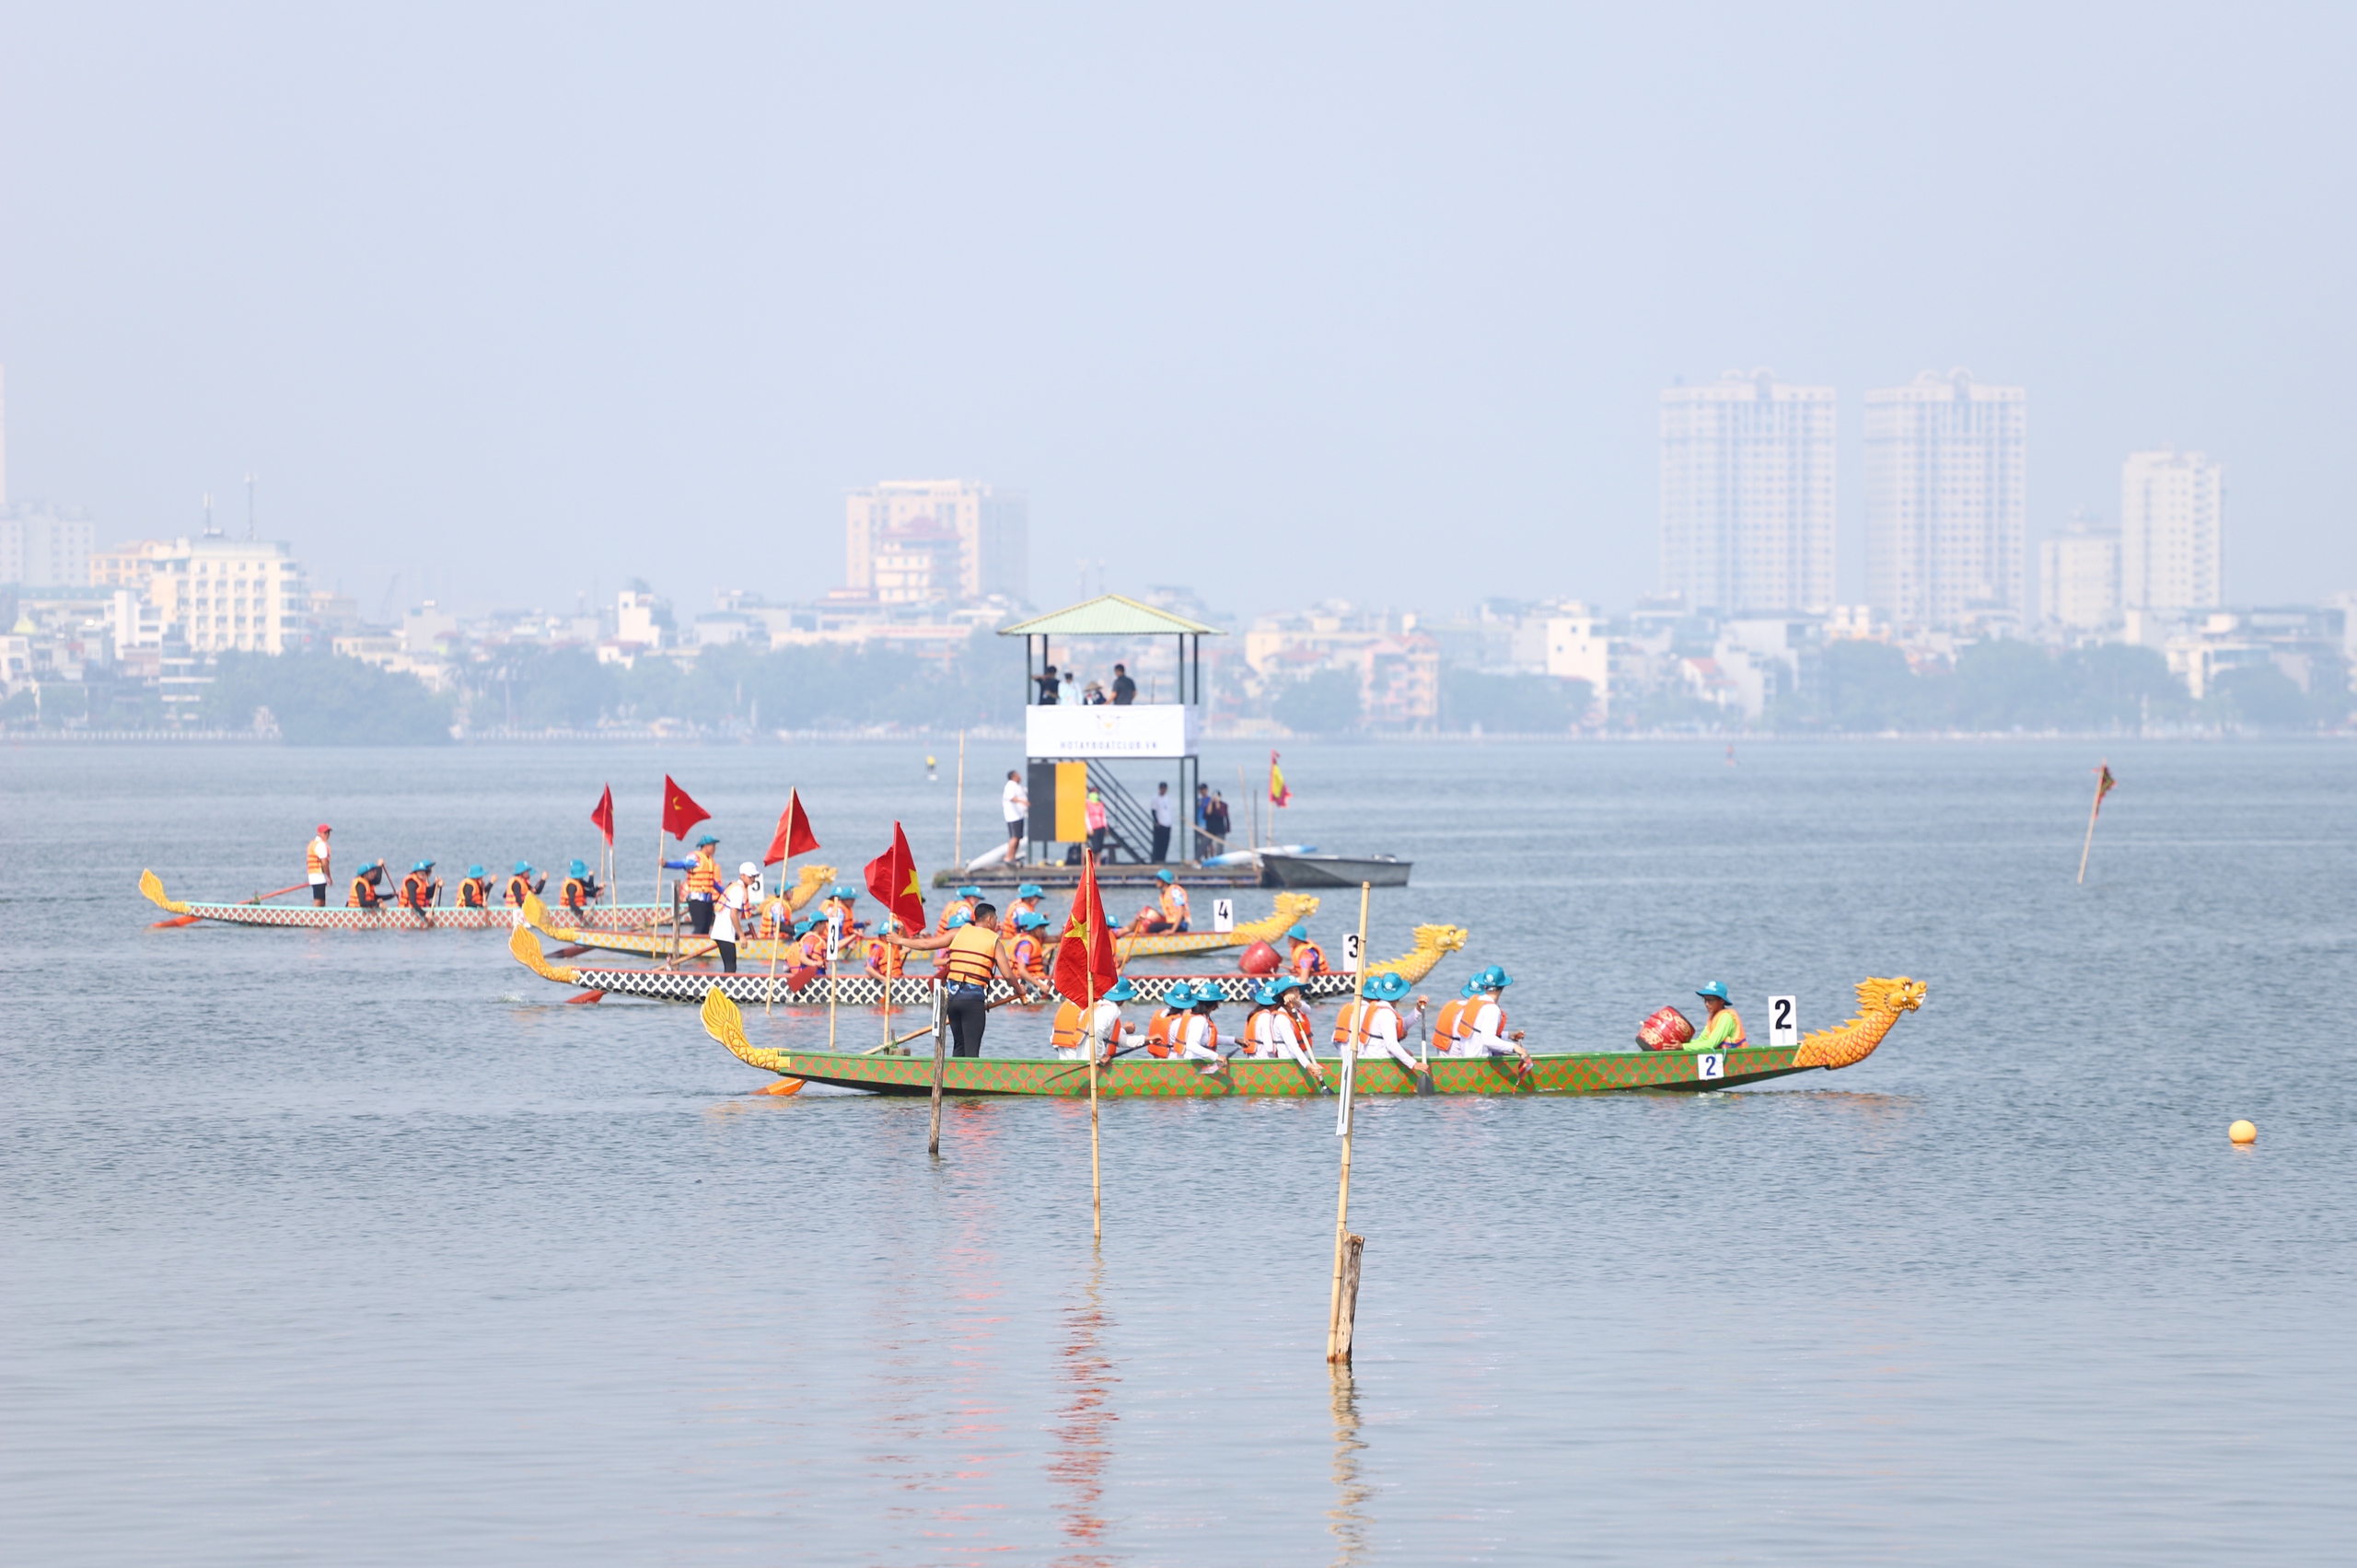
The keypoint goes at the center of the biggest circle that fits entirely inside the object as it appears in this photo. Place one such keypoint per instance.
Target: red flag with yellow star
(1085, 965)
(892, 877)
(680, 813)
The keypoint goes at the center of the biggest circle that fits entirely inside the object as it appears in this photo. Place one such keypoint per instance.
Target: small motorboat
(1281, 870)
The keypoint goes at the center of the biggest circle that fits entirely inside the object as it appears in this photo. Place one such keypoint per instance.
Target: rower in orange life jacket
(1028, 950)
(580, 889)
(1195, 1037)
(365, 894)
(839, 901)
(519, 884)
(1279, 1027)
(1379, 1031)
(1481, 1027)
(1104, 1027)
(1451, 1020)
(419, 890)
(1167, 912)
(811, 945)
(1724, 1031)
(474, 890)
(1304, 957)
(963, 904)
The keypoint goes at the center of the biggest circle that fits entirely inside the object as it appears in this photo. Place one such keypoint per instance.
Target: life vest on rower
(1174, 904)
(972, 956)
(1252, 1031)
(1157, 1031)
(575, 893)
(474, 892)
(1307, 959)
(364, 893)
(1066, 1034)
(519, 887)
(1347, 1020)
(416, 890)
(703, 876)
(1024, 954)
(1450, 1023)
(812, 949)
(955, 908)
(1179, 1028)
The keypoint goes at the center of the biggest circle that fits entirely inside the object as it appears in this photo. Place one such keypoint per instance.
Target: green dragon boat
(1880, 1004)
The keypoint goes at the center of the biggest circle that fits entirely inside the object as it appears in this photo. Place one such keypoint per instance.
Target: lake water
(365, 1249)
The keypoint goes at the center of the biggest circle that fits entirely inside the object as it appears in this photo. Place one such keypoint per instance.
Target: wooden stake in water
(2103, 787)
(835, 936)
(940, 1046)
(1088, 1044)
(1341, 1312)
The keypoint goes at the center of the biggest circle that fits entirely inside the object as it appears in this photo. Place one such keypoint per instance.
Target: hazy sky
(1278, 301)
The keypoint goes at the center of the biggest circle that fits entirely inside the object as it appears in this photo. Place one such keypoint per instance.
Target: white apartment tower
(1947, 501)
(2171, 509)
(1747, 494)
(994, 543)
(2078, 576)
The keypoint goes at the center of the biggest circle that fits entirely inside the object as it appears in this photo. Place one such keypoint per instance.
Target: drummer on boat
(1167, 912)
(474, 890)
(1724, 1030)
(315, 867)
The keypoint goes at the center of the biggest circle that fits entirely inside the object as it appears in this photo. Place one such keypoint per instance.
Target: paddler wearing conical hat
(520, 882)
(1280, 1025)
(1482, 1027)
(421, 889)
(1724, 1030)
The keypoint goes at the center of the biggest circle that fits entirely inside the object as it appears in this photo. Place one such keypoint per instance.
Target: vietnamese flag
(1085, 967)
(1278, 794)
(679, 812)
(794, 835)
(603, 818)
(892, 877)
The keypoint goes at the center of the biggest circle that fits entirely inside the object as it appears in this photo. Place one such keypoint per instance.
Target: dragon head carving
(1900, 995)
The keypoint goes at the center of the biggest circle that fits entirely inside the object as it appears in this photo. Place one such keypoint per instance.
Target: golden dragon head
(1900, 995)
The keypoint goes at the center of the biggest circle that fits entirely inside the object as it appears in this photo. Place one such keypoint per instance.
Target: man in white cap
(741, 904)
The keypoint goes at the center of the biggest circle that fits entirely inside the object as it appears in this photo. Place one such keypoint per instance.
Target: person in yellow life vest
(1102, 1031)
(1375, 1027)
(703, 884)
(580, 889)
(1029, 948)
(959, 910)
(1450, 1021)
(365, 893)
(969, 957)
(1167, 912)
(1481, 1027)
(1724, 1031)
(1304, 957)
(421, 889)
(520, 882)
(315, 866)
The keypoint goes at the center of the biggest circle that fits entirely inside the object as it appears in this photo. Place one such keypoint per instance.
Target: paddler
(1304, 957)
(1028, 948)
(1167, 912)
(420, 889)
(1480, 1029)
(1724, 1029)
(1295, 1032)
(1195, 1037)
(1379, 1031)
(1026, 899)
(520, 884)
(737, 914)
(962, 905)
(704, 883)
(969, 957)
(837, 906)
(1273, 1031)
(580, 887)
(474, 890)
(1450, 1021)
(315, 866)
(365, 894)
(811, 945)
(1102, 1032)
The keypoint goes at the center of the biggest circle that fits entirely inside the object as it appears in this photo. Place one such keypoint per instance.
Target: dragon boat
(862, 990)
(1880, 1004)
(386, 917)
(1292, 909)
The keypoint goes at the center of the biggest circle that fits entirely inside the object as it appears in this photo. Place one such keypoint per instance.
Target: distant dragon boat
(862, 990)
(1293, 909)
(1880, 1004)
(386, 916)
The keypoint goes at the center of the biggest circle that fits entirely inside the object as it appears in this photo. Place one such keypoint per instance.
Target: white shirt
(739, 898)
(1015, 801)
(1485, 1021)
(320, 848)
(1105, 1026)
(1165, 812)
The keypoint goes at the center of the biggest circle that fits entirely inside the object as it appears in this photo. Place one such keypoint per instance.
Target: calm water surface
(367, 1249)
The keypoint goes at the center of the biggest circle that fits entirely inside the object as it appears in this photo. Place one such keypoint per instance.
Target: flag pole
(2090, 842)
(777, 945)
(833, 929)
(1087, 1024)
(1340, 1315)
(958, 838)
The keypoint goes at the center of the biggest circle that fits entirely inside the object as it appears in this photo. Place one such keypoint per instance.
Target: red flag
(604, 815)
(794, 835)
(892, 877)
(680, 813)
(1085, 967)
(2105, 784)
(1279, 795)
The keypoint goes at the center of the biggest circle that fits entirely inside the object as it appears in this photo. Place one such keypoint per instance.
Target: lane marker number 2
(1783, 1020)
(1709, 1066)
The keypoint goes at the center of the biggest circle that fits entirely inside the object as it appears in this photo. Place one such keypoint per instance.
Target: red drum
(1665, 1030)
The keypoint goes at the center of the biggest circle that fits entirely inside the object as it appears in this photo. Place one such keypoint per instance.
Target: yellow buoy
(2243, 1133)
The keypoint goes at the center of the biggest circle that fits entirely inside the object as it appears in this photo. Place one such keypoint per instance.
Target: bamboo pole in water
(940, 1045)
(1340, 1313)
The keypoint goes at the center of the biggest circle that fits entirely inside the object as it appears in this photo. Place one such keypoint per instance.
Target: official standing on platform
(1166, 817)
(1014, 804)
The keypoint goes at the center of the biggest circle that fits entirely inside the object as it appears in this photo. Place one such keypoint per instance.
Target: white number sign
(834, 933)
(1350, 952)
(1710, 1065)
(1223, 914)
(1783, 1020)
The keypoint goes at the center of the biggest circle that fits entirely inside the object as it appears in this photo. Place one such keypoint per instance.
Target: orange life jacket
(1308, 958)
(1451, 1023)
(1066, 1033)
(315, 858)
(1347, 1020)
(576, 894)
(956, 907)
(1251, 1034)
(1473, 1011)
(364, 893)
(1174, 903)
(972, 956)
(703, 876)
(1211, 1030)
(416, 891)
(1157, 1031)
(1026, 956)
(474, 892)
(812, 948)
(519, 887)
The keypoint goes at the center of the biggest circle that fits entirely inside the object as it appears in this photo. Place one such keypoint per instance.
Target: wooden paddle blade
(175, 920)
(782, 1087)
(588, 996)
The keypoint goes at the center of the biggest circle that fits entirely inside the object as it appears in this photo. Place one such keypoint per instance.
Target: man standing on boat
(315, 867)
(1481, 1029)
(739, 907)
(1724, 1030)
(969, 956)
(702, 887)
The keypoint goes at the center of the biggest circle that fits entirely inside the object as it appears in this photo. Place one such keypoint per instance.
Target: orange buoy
(2243, 1133)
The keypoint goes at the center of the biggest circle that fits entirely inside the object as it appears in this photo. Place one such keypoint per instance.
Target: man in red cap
(316, 863)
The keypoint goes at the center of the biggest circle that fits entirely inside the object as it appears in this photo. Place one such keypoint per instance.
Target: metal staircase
(1129, 825)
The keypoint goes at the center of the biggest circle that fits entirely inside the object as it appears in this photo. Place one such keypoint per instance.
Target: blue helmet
(1493, 979)
(578, 868)
(1388, 986)
(1717, 988)
(1179, 997)
(474, 870)
(969, 891)
(1123, 992)
(1031, 890)
(845, 892)
(1030, 920)
(1298, 934)
(1472, 988)
(1208, 993)
(954, 921)
(523, 868)
(422, 866)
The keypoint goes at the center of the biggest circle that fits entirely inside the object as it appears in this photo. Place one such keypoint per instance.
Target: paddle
(257, 899)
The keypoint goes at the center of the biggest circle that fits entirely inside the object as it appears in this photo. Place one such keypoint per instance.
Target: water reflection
(1081, 1426)
(1347, 1521)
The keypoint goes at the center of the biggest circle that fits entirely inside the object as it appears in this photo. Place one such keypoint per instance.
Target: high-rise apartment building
(902, 518)
(41, 547)
(2171, 510)
(222, 593)
(2078, 576)
(1947, 501)
(1747, 494)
